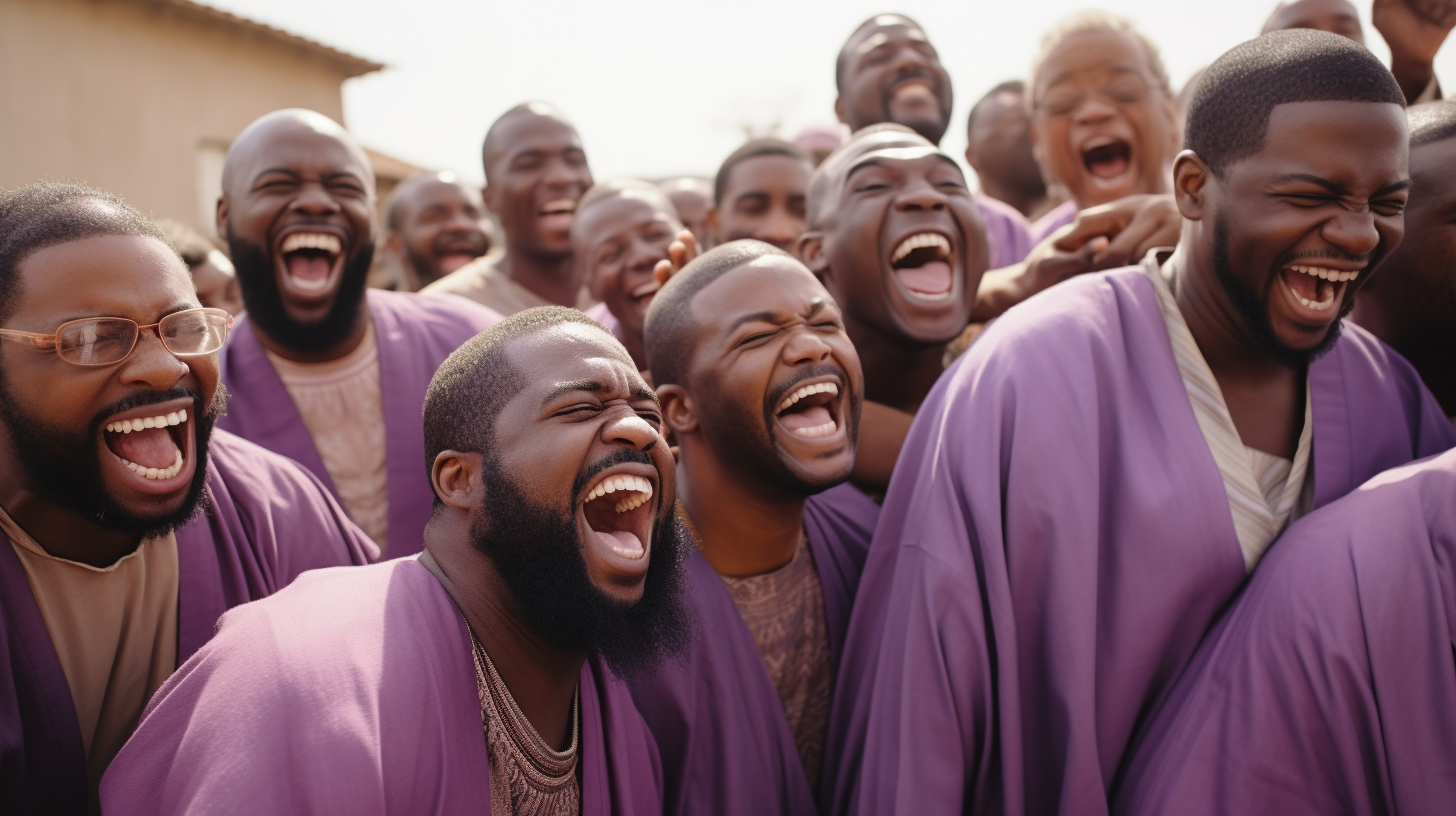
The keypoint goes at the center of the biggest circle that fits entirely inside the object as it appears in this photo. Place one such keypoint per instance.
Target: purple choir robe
(1055, 541)
(267, 521)
(1060, 216)
(1008, 235)
(415, 334)
(353, 692)
(720, 728)
(1329, 687)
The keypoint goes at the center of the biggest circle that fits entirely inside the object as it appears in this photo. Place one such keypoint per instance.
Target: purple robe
(352, 692)
(1055, 541)
(415, 334)
(1329, 687)
(720, 727)
(268, 521)
(1008, 235)
(1060, 216)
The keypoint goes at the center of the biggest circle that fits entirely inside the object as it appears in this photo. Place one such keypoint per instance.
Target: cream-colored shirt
(114, 630)
(483, 282)
(342, 404)
(1265, 492)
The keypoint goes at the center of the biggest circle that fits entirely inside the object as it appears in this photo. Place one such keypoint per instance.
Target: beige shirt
(114, 630)
(483, 282)
(1265, 492)
(784, 610)
(342, 405)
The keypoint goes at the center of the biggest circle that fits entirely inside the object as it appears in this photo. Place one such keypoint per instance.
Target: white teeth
(156, 474)
(1334, 275)
(808, 390)
(818, 430)
(638, 488)
(924, 239)
(126, 426)
(312, 240)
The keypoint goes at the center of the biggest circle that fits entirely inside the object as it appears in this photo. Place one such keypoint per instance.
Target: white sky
(660, 88)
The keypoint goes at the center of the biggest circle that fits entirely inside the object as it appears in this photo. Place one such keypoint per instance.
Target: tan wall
(139, 102)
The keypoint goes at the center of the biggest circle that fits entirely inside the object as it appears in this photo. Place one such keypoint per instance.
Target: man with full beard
(127, 525)
(436, 224)
(551, 567)
(321, 370)
(1091, 484)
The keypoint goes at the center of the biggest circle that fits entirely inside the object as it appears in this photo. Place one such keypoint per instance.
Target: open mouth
(642, 295)
(1317, 288)
(452, 254)
(313, 263)
(619, 510)
(913, 91)
(921, 263)
(154, 445)
(556, 214)
(1108, 160)
(811, 411)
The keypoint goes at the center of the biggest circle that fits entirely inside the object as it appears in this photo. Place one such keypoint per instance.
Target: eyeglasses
(99, 341)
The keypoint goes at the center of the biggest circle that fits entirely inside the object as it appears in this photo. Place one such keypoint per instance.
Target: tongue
(556, 222)
(931, 279)
(152, 447)
(1306, 286)
(621, 542)
(807, 418)
(1108, 168)
(450, 263)
(308, 268)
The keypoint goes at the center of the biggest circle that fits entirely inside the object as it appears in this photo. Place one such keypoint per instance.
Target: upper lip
(558, 204)
(645, 289)
(929, 83)
(325, 229)
(793, 388)
(153, 409)
(1329, 263)
(898, 241)
(647, 472)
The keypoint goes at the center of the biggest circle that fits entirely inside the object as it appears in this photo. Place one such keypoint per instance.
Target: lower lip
(310, 290)
(157, 487)
(1319, 318)
(556, 222)
(629, 565)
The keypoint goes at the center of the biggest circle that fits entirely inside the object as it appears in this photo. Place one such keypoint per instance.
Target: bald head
(258, 143)
(825, 183)
(507, 130)
(1335, 16)
(888, 71)
(535, 173)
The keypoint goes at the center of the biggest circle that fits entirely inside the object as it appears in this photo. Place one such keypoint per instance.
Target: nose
(625, 427)
(1352, 230)
(909, 61)
(315, 200)
(561, 175)
(805, 346)
(151, 365)
(921, 195)
(781, 229)
(644, 255)
(1092, 109)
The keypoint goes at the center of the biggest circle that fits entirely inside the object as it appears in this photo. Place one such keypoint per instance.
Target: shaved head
(875, 137)
(257, 137)
(497, 138)
(1335, 16)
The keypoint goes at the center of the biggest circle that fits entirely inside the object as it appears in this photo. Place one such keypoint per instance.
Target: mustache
(621, 457)
(141, 398)
(776, 394)
(1330, 255)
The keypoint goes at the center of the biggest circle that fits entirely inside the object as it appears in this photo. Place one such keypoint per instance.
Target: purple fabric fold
(1054, 543)
(415, 334)
(1329, 687)
(1060, 216)
(352, 692)
(720, 728)
(267, 521)
(1007, 232)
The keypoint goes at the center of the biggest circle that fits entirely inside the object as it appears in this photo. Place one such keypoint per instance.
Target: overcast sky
(661, 88)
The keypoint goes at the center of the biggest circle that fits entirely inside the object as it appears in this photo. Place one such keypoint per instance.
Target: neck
(338, 350)
(897, 373)
(633, 342)
(1217, 327)
(744, 528)
(541, 678)
(1030, 203)
(58, 530)
(552, 277)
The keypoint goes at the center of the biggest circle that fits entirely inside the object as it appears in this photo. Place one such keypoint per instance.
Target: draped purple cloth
(1007, 231)
(1060, 216)
(268, 520)
(1055, 541)
(352, 692)
(415, 334)
(1329, 687)
(720, 728)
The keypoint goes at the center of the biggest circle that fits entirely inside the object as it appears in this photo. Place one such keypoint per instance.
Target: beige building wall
(142, 98)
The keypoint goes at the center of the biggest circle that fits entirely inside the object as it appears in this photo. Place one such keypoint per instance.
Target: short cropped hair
(1228, 116)
(46, 213)
(1431, 122)
(475, 382)
(819, 182)
(753, 149)
(489, 146)
(612, 188)
(1094, 21)
(668, 333)
(1015, 86)
(189, 243)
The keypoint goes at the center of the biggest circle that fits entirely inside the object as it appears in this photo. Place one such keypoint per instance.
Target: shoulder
(1358, 349)
(467, 278)
(433, 313)
(243, 467)
(995, 209)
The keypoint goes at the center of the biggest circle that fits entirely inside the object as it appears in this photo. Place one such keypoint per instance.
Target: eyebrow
(1116, 69)
(875, 161)
(287, 171)
(1338, 188)
(593, 387)
(816, 306)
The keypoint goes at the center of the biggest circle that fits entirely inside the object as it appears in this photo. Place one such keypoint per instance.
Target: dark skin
(585, 401)
(443, 225)
(693, 199)
(764, 199)
(760, 328)
(998, 148)
(537, 171)
(293, 173)
(1411, 304)
(889, 72)
(620, 241)
(105, 276)
(1328, 188)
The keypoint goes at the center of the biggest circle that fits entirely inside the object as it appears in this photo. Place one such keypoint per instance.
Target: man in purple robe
(434, 224)
(761, 192)
(762, 389)
(127, 525)
(1089, 486)
(1329, 687)
(322, 370)
(551, 568)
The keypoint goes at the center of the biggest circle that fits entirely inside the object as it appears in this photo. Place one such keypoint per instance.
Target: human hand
(680, 253)
(1415, 31)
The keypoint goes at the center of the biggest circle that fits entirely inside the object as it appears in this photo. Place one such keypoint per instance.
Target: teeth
(126, 426)
(636, 490)
(808, 390)
(1334, 275)
(312, 240)
(818, 430)
(924, 239)
(156, 474)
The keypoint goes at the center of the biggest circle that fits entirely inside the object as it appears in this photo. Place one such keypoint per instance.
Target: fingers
(1105, 219)
(662, 271)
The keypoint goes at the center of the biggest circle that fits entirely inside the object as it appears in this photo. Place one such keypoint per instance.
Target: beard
(64, 469)
(537, 552)
(1254, 310)
(264, 303)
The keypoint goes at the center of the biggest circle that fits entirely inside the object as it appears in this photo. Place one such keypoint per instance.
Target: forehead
(625, 209)
(777, 170)
(908, 159)
(434, 192)
(773, 283)
(570, 352)
(1308, 13)
(532, 132)
(1087, 52)
(1433, 166)
(1368, 136)
(120, 275)
(299, 148)
(886, 28)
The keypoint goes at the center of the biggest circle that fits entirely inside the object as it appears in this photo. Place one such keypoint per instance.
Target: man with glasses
(129, 525)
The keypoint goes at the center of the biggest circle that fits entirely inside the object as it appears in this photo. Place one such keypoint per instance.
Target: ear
(222, 212)
(677, 409)
(485, 197)
(839, 109)
(1191, 178)
(456, 478)
(810, 249)
(714, 221)
(971, 158)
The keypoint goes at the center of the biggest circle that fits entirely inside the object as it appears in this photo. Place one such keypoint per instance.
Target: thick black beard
(537, 552)
(65, 469)
(1254, 310)
(264, 302)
